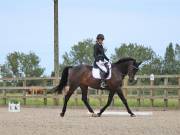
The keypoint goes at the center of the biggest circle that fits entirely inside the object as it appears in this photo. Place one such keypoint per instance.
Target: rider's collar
(99, 43)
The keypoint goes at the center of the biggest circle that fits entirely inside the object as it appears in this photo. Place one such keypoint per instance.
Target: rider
(100, 58)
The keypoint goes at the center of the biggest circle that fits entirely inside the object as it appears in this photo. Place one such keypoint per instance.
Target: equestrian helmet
(100, 36)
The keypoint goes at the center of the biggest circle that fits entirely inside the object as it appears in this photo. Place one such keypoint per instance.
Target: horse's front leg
(110, 97)
(123, 99)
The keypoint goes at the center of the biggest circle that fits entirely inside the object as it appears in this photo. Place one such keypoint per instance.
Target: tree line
(19, 64)
(82, 53)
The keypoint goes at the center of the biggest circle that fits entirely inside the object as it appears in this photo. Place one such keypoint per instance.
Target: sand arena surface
(45, 121)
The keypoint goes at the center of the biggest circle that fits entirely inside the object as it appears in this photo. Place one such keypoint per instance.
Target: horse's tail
(64, 79)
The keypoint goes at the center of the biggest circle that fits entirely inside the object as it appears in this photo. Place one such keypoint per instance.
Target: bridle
(130, 68)
(134, 67)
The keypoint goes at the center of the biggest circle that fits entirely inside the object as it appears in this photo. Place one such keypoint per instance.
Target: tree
(5, 71)
(13, 63)
(169, 60)
(154, 66)
(177, 58)
(18, 64)
(169, 54)
(177, 52)
(81, 53)
(30, 65)
(140, 53)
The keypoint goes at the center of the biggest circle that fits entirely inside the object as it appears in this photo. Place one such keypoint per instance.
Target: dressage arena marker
(115, 113)
(14, 107)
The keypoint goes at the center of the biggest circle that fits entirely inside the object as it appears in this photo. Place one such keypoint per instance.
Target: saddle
(97, 73)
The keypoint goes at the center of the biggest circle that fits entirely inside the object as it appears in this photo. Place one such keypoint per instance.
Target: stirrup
(103, 84)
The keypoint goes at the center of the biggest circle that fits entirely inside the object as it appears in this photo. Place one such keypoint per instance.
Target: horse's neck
(122, 67)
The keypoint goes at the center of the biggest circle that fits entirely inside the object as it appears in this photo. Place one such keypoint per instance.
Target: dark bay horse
(81, 76)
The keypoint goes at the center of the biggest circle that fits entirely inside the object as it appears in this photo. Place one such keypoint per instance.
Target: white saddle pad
(96, 73)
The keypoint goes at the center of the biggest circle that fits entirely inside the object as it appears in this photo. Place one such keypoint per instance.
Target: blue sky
(27, 25)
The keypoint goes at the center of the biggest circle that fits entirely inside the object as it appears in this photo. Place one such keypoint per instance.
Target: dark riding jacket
(99, 53)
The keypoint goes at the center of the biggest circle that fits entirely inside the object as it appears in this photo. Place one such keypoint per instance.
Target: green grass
(172, 103)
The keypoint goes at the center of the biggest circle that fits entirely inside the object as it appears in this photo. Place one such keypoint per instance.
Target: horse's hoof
(62, 114)
(133, 115)
(99, 115)
(95, 115)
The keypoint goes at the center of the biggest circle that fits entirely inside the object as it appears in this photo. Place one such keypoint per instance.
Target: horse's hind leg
(66, 98)
(84, 90)
(120, 94)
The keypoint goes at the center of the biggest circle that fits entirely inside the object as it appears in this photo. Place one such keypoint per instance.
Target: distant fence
(161, 87)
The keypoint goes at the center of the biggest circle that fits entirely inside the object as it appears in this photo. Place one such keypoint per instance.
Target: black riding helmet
(100, 36)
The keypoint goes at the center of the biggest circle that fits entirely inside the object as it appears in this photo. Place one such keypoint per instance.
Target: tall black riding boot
(103, 80)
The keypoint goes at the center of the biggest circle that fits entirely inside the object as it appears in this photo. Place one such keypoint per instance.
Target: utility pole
(56, 40)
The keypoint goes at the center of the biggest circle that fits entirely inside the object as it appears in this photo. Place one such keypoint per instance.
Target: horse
(36, 90)
(81, 76)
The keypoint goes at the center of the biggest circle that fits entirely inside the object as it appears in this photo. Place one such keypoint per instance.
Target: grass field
(172, 103)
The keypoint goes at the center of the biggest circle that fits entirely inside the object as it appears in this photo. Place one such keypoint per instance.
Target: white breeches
(100, 64)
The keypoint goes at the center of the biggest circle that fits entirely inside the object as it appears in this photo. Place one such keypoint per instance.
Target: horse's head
(128, 66)
(133, 67)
